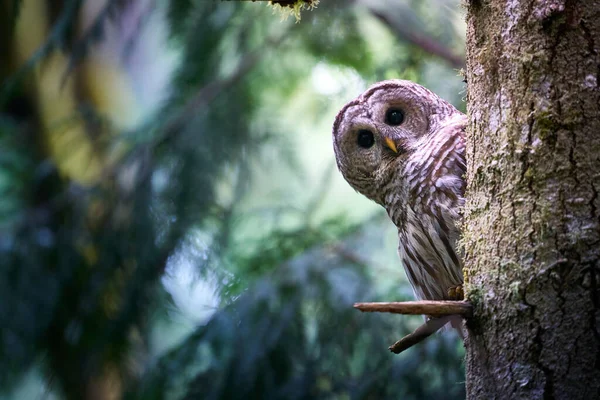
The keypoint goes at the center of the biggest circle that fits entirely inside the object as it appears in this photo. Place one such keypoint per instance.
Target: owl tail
(457, 323)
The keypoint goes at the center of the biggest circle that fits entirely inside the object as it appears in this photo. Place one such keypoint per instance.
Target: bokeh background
(172, 223)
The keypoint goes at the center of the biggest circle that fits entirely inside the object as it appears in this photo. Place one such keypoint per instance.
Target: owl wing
(440, 167)
(428, 244)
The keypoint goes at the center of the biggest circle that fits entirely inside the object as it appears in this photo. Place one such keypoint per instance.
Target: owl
(403, 147)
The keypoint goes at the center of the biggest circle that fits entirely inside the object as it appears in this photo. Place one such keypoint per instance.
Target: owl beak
(390, 143)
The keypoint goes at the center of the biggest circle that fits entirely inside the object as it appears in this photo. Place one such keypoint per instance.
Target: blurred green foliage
(217, 178)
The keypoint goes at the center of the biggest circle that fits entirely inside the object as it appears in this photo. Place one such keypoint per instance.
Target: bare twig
(202, 98)
(425, 42)
(93, 34)
(440, 312)
(208, 93)
(420, 334)
(431, 308)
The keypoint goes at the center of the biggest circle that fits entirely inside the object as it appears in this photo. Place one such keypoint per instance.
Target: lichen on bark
(532, 225)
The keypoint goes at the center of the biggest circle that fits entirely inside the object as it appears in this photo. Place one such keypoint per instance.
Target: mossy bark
(532, 217)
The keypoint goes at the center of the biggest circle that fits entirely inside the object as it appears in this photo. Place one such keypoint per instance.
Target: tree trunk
(532, 218)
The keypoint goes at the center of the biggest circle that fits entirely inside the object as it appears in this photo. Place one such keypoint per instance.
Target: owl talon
(456, 293)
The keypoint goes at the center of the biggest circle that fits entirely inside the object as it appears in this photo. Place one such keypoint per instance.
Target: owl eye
(365, 139)
(394, 116)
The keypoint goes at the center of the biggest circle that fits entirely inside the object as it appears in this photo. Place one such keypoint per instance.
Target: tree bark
(532, 218)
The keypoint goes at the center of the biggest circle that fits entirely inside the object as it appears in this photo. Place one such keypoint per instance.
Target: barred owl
(402, 146)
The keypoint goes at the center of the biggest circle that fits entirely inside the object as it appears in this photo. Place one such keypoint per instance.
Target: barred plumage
(402, 146)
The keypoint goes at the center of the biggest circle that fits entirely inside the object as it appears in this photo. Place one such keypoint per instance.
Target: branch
(425, 42)
(213, 89)
(92, 34)
(440, 313)
(431, 308)
(420, 334)
(206, 94)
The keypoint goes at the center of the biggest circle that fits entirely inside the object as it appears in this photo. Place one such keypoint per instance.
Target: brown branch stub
(439, 313)
(425, 42)
(431, 308)
(420, 334)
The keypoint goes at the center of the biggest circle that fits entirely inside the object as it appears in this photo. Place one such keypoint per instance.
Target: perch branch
(431, 308)
(439, 313)
(420, 334)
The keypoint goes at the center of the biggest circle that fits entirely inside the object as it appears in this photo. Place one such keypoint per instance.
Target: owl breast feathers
(402, 146)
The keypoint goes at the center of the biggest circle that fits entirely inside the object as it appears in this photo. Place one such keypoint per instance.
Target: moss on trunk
(532, 219)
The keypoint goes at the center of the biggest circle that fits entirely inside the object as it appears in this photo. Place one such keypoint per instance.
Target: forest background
(172, 224)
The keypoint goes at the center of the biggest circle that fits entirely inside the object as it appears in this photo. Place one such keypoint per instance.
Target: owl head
(378, 133)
